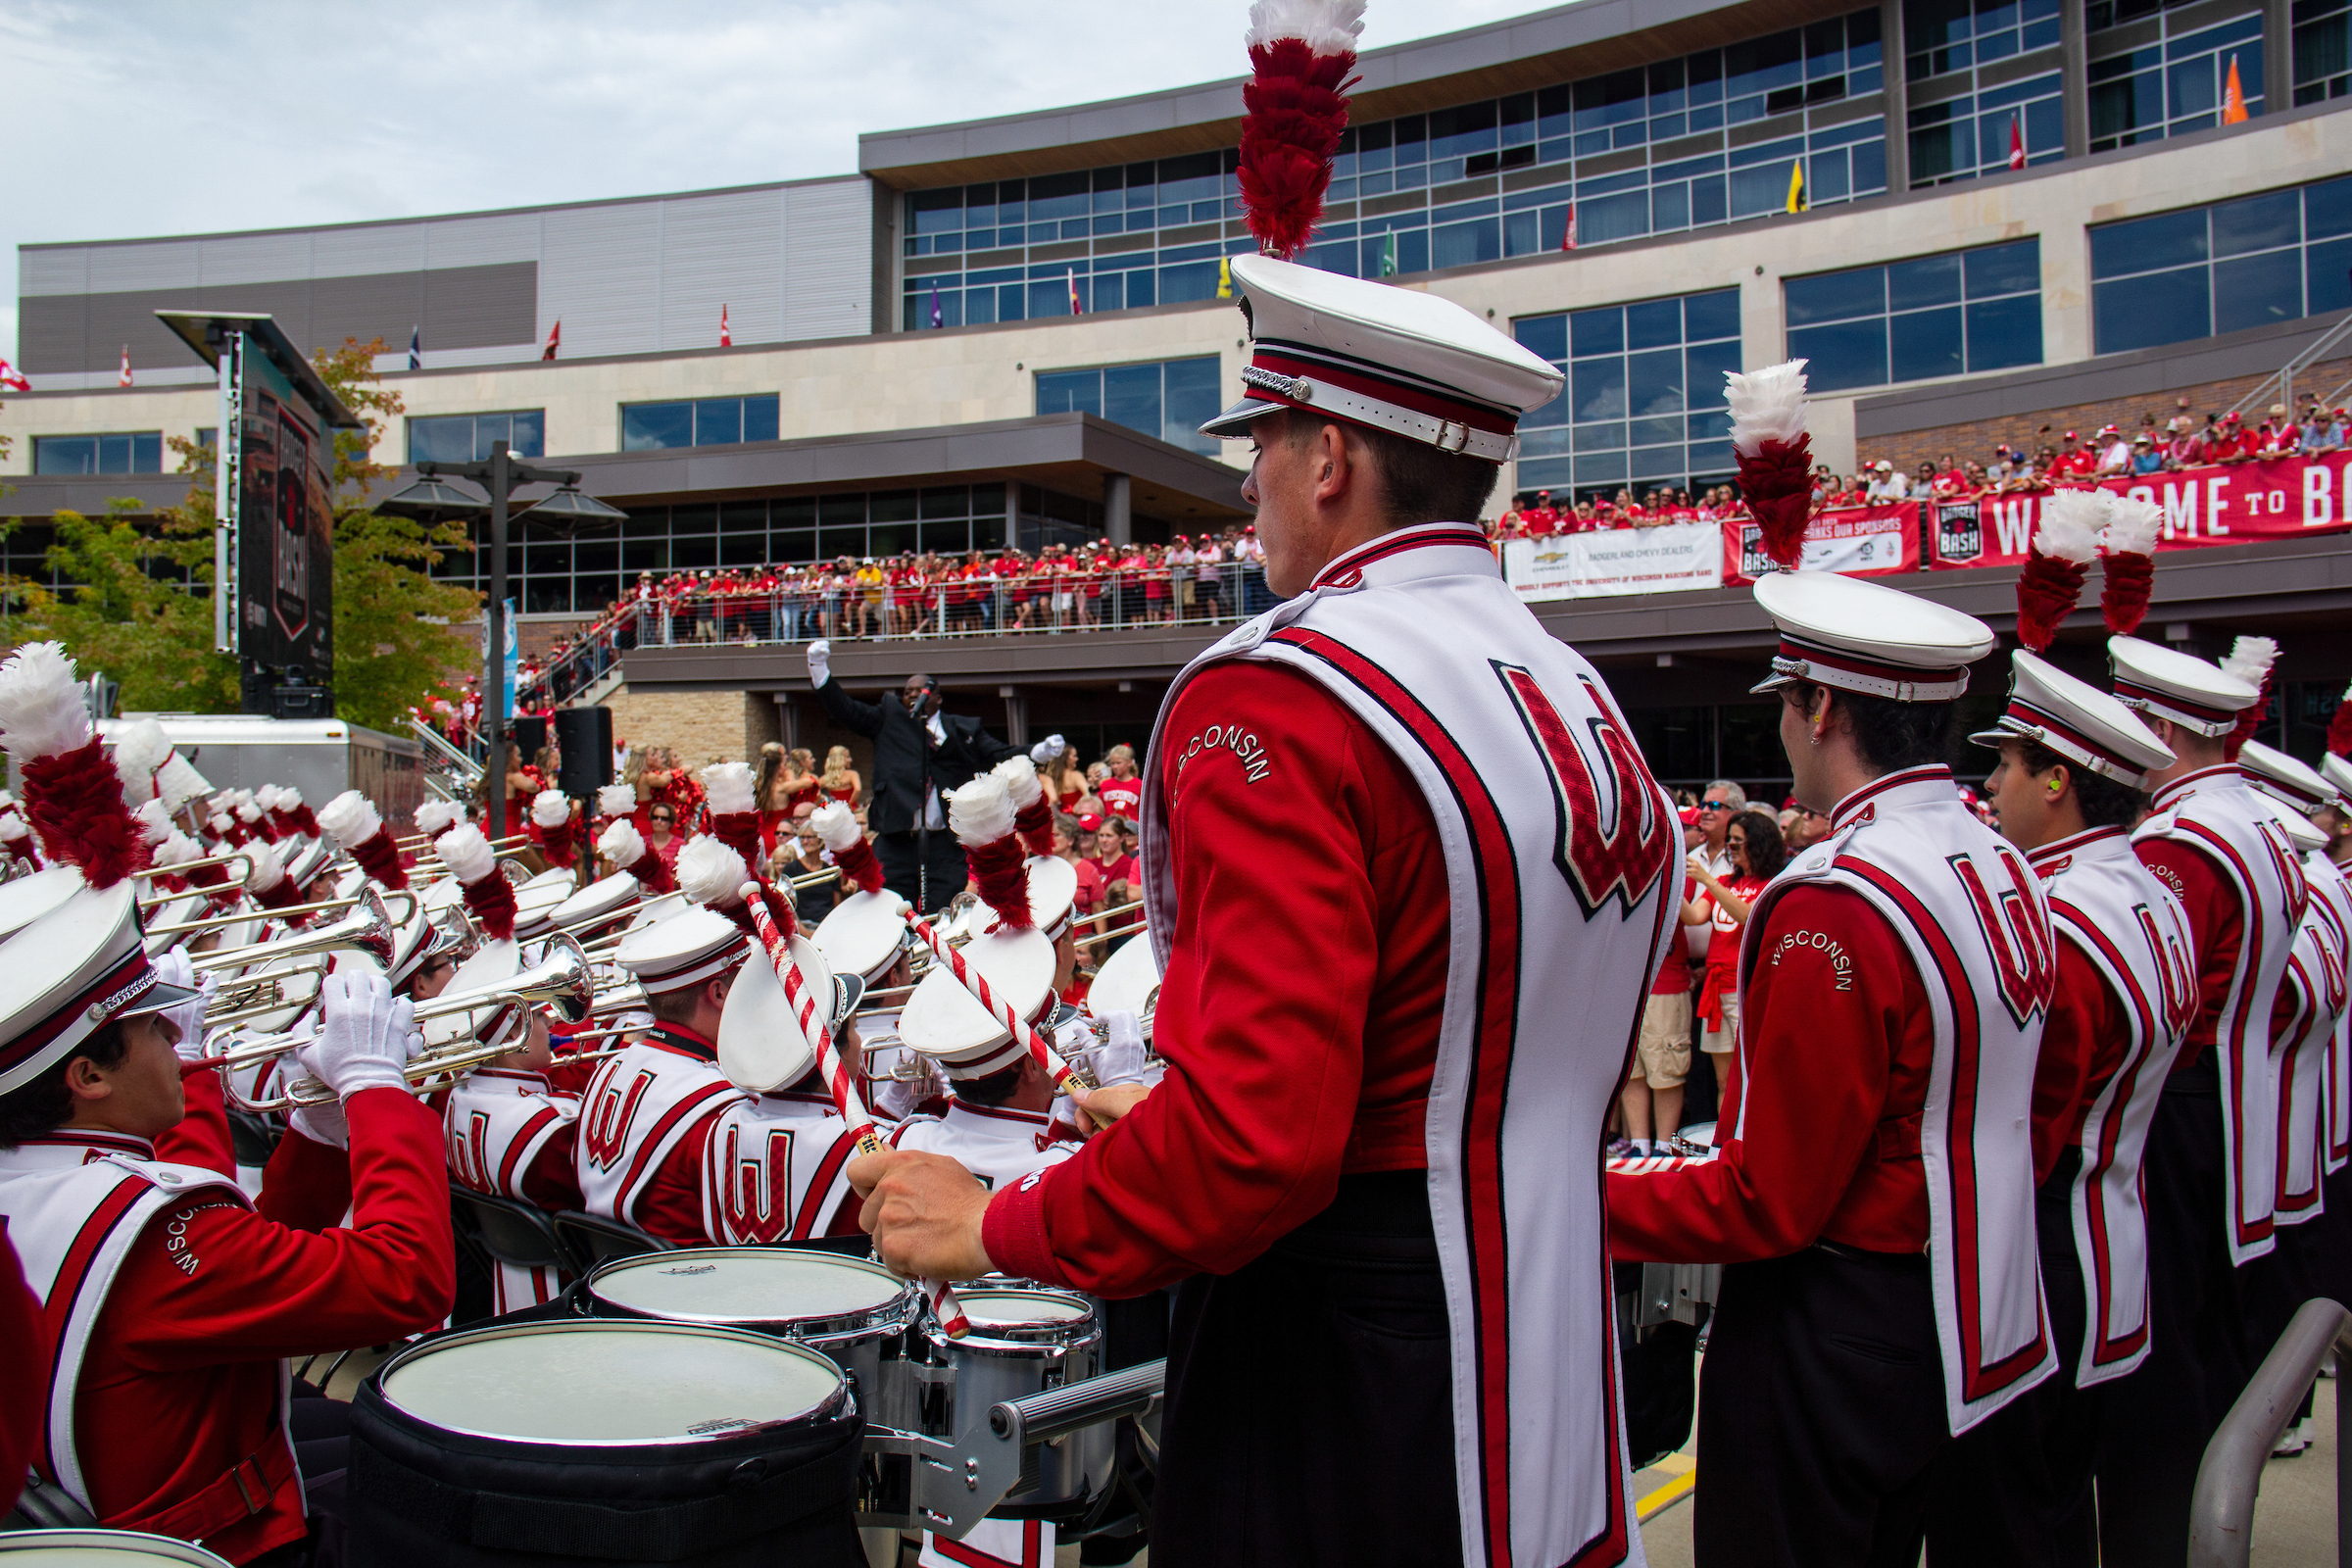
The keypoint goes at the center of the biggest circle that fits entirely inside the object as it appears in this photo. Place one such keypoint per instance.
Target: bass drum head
(747, 1285)
(610, 1383)
(99, 1548)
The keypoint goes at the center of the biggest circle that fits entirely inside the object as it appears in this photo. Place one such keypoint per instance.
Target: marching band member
(1872, 1181)
(2212, 1149)
(1399, 854)
(2071, 784)
(777, 1158)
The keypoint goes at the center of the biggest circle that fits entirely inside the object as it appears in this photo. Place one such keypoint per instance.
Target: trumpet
(258, 996)
(367, 929)
(809, 879)
(235, 885)
(423, 842)
(215, 922)
(626, 911)
(612, 1001)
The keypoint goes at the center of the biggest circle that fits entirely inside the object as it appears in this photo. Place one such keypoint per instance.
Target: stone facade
(702, 726)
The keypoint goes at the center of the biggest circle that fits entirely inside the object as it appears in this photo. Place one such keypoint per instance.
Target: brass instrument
(235, 883)
(367, 929)
(215, 922)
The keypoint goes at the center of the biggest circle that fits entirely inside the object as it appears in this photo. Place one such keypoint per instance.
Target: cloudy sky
(141, 117)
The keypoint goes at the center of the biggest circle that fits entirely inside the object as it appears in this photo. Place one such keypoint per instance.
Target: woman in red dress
(839, 781)
(1067, 779)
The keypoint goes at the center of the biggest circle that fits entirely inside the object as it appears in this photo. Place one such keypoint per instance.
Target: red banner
(1861, 542)
(2242, 503)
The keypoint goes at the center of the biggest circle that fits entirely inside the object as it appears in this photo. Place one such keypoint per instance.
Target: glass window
(704, 423)
(122, 452)
(2253, 261)
(2179, 80)
(467, 437)
(1168, 400)
(2322, 50)
(1636, 373)
(1904, 322)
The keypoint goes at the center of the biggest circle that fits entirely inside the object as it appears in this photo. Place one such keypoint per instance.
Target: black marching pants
(2014, 1489)
(2160, 1418)
(904, 865)
(1820, 1413)
(1309, 1415)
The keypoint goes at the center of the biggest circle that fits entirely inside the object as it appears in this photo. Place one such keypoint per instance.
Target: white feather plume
(2250, 659)
(2070, 521)
(981, 811)
(219, 822)
(8, 801)
(1020, 781)
(467, 853)
(709, 872)
(616, 799)
(154, 822)
(41, 710)
(351, 818)
(13, 827)
(1327, 27)
(549, 808)
(266, 797)
(1767, 405)
(727, 788)
(437, 816)
(288, 798)
(225, 801)
(836, 825)
(248, 813)
(621, 843)
(139, 750)
(179, 781)
(177, 849)
(267, 869)
(242, 798)
(2133, 525)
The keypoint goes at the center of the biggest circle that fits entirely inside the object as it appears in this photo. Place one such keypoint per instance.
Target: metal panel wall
(601, 275)
(725, 248)
(62, 271)
(168, 263)
(828, 259)
(256, 258)
(482, 240)
(367, 250)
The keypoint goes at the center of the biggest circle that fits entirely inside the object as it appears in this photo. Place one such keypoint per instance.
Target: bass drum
(586, 1441)
(100, 1549)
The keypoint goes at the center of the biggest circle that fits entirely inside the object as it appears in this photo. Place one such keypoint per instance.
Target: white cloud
(158, 117)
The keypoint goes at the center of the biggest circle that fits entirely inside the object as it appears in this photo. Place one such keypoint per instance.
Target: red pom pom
(2339, 729)
(858, 865)
(2124, 599)
(380, 860)
(1034, 825)
(1298, 109)
(999, 872)
(305, 822)
(1777, 483)
(22, 849)
(739, 831)
(75, 802)
(284, 893)
(2046, 592)
(492, 900)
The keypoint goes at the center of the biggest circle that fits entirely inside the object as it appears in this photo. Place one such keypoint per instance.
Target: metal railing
(2284, 378)
(2221, 1521)
(445, 753)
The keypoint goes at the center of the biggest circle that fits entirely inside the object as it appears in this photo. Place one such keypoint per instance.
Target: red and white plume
(2339, 726)
(2254, 660)
(488, 894)
(266, 880)
(2128, 547)
(981, 814)
(1032, 817)
(729, 794)
(837, 828)
(2060, 554)
(551, 819)
(352, 820)
(72, 794)
(1775, 453)
(624, 848)
(713, 875)
(256, 817)
(1301, 54)
(154, 823)
(291, 816)
(16, 839)
(616, 799)
(151, 769)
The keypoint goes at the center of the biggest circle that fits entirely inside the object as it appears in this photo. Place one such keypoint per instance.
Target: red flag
(1077, 308)
(10, 380)
(1568, 240)
(726, 339)
(2017, 141)
(124, 378)
(555, 339)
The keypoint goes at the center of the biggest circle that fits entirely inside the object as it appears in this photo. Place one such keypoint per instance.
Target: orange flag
(2233, 98)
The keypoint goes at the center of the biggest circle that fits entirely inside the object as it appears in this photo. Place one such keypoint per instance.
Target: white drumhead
(611, 1383)
(1000, 1308)
(99, 1548)
(734, 1285)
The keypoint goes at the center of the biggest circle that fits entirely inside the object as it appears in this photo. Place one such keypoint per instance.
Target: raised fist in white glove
(1047, 750)
(820, 661)
(364, 1034)
(174, 968)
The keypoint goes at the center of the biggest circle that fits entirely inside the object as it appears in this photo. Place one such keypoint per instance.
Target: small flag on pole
(936, 318)
(1077, 308)
(124, 378)
(1797, 185)
(2233, 98)
(2017, 141)
(555, 339)
(1224, 279)
(1568, 236)
(416, 349)
(726, 338)
(1388, 254)
(10, 380)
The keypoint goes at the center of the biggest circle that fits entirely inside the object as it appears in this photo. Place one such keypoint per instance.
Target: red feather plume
(1298, 109)
(1777, 483)
(2046, 593)
(2339, 728)
(2124, 600)
(858, 865)
(73, 800)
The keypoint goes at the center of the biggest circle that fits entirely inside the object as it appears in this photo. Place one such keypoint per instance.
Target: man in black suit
(919, 755)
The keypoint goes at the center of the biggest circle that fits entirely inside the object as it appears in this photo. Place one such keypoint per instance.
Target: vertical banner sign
(284, 528)
(513, 658)
(227, 470)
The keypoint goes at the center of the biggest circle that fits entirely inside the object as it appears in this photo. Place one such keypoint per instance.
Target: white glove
(1120, 1059)
(364, 1034)
(174, 968)
(895, 1097)
(820, 661)
(1046, 750)
(323, 1124)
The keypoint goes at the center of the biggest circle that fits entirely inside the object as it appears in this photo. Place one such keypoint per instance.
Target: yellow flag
(1796, 186)
(1224, 279)
(2233, 98)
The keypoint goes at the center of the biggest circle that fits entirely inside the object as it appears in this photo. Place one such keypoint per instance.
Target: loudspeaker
(585, 736)
(529, 735)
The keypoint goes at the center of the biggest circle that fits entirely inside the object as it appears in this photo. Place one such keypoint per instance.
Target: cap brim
(158, 997)
(848, 991)
(1233, 423)
(1772, 683)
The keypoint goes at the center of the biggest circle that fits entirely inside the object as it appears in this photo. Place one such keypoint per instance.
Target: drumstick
(846, 1097)
(1060, 1071)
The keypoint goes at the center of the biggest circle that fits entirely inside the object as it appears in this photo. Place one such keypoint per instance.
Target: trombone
(626, 997)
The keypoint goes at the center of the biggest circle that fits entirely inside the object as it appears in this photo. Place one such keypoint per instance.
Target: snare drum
(585, 1439)
(1023, 1342)
(99, 1548)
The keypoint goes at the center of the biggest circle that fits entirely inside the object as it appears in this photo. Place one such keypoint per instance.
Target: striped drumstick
(846, 1099)
(972, 980)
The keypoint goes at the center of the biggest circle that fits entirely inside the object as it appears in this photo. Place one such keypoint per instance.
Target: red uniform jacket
(21, 1371)
(1299, 1014)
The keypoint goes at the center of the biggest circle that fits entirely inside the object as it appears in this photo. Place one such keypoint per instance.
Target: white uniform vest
(772, 1170)
(994, 1142)
(2214, 812)
(2331, 901)
(73, 1203)
(638, 1108)
(1972, 917)
(497, 1123)
(2110, 908)
(1560, 850)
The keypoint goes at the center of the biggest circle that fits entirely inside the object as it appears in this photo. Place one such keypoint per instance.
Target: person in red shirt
(1752, 842)
(1122, 794)
(1652, 1100)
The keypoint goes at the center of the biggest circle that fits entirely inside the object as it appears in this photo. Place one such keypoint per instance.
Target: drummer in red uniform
(1399, 857)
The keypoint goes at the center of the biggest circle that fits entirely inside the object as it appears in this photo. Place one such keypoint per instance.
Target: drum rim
(1049, 1332)
(831, 1405)
(885, 1318)
(169, 1547)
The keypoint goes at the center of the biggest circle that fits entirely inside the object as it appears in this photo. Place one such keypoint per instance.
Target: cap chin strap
(1822, 672)
(1447, 435)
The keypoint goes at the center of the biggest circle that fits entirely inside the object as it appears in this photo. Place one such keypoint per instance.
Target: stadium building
(1976, 219)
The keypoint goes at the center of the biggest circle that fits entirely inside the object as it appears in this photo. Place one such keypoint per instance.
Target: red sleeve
(2081, 1045)
(306, 1184)
(216, 1283)
(553, 1180)
(1243, 1139)
(24, 1371)
(2217, 924)
(1814, 1077)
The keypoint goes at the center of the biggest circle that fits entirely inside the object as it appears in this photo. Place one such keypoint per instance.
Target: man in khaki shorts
(1652, 1100)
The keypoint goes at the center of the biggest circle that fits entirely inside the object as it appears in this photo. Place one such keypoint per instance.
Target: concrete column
(1898, 130)
(2277, 56)
(1013, 513)
(2074, 42)
(1016, 714)
(1118, 520)
(788, 720)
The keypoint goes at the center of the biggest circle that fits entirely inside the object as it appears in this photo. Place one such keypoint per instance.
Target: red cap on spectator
(1090, 823)
(2231, 418)
(1690, 815)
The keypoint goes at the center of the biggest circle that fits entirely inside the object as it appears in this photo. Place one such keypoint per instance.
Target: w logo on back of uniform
(605, 1134)
(2017, 933)
(1614, 840)
(756, 1189)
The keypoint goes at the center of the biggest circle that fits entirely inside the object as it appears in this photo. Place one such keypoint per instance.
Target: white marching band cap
(493, 1023)
(606, 898)
(684, 950)
(28, 897)
(1127, 982)
(1860, 636)
(418, 938)
(2075, 719)
(946, 1023)
(2165, 683)
(536, 903)
(79, 967)
(1390, 359)
(863, 934)
(2339, 772)
(761, 1045)
(2290, 782)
